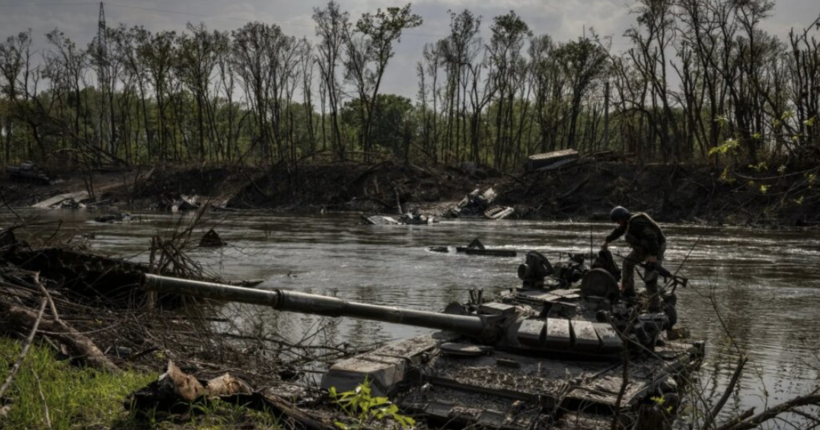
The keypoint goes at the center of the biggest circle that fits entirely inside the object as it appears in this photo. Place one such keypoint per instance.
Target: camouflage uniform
(645, 238)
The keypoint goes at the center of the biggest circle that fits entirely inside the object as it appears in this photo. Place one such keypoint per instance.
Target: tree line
(699, 78)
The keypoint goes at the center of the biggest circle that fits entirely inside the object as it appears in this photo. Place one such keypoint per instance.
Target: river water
(766, 284)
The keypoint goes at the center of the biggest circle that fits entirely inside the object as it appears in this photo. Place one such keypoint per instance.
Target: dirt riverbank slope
(781, 196)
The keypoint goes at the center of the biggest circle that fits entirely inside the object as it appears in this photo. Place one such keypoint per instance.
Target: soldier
(648, 245)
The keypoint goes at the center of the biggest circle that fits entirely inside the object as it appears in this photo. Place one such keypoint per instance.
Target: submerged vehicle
(413, 217)
(476, 248)
(545, 354)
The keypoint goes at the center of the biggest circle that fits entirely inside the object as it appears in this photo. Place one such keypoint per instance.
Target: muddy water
(766, 284)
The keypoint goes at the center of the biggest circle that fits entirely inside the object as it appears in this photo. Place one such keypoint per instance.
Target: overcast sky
(561, 19)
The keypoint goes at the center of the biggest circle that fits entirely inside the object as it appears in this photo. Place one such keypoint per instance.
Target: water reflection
(766, 283)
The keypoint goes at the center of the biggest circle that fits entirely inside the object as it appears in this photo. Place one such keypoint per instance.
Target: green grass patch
(83, 398)
(217, 415)
(76, 397)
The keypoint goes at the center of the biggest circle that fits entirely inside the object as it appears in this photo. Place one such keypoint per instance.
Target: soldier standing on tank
(648, 245)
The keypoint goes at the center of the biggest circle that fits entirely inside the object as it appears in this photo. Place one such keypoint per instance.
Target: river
(766, 284)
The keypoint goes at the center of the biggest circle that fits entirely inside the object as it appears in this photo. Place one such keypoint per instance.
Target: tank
(547, 353)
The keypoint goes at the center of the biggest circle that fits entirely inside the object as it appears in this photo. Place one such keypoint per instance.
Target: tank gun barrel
(315, 304)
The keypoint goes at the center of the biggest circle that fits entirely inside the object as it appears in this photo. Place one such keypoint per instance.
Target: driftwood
(79, 344)
(771, 413)
(16, 367)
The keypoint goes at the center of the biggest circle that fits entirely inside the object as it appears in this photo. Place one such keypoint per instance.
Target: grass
(83, 398)
(76, 397)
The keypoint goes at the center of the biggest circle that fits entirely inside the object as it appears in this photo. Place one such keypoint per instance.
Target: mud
(701, 194)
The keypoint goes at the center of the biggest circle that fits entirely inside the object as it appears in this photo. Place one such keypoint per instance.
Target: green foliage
(217, 95)
(393, 121)
(360, 405)
(759, 167)
(661, 401)
(76, 397)
(385, 26)
(726, 176)
(730, 146)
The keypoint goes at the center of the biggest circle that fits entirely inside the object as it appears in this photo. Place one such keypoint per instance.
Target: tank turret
(500, 325)
(530, 349)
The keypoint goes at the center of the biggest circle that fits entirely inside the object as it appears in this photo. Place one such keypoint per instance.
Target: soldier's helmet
(619, 213)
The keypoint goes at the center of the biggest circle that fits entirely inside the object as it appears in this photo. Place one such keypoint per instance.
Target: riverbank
(774, 196)
(86, 347)
(752, 274)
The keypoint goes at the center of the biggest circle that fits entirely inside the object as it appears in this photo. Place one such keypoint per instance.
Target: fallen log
(23, 352)
(78, 344)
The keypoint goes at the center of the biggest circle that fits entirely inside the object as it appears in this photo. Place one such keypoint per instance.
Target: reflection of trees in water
(454, 292)
(771, 330)
(362, 332)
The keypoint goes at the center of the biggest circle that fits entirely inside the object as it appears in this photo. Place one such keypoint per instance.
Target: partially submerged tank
(548, 353)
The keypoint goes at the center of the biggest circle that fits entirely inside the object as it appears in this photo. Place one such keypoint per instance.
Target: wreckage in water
(545, 355)
(476, 248)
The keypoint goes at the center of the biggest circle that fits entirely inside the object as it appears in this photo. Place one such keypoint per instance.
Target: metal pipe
(293, 301)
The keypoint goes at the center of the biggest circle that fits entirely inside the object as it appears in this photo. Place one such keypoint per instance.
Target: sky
(562, 19)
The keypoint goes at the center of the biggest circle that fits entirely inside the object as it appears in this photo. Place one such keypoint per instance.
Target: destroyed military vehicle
(479, 203)
(549, 352)
(408, 218)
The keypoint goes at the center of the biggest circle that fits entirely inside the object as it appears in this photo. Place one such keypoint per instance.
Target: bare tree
(332, 26)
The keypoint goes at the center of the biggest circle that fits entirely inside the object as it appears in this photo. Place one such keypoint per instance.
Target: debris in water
(211, 239)
(114, 217)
